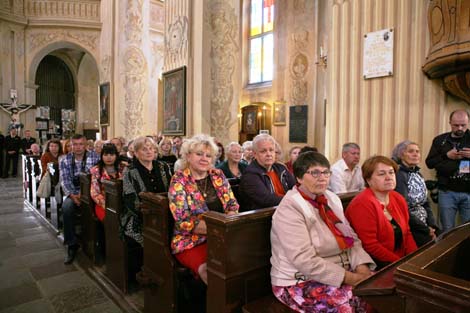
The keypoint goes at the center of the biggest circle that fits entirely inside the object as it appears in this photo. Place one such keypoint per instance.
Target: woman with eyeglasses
(379, 214)
(196, 188)
(316, 256)
(144, 174)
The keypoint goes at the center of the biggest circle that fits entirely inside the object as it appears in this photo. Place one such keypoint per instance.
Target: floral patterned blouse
(97, 188)
(187, 205)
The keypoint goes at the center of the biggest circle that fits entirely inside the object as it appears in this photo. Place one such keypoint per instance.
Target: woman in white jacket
(316, 256)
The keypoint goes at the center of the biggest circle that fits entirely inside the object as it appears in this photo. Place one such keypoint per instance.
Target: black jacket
(445, 167)
(256, 188)
(12, 143)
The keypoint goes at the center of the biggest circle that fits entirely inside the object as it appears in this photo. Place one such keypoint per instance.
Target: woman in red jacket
(379, 215)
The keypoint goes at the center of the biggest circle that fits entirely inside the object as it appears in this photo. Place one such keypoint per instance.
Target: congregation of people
(320, 250)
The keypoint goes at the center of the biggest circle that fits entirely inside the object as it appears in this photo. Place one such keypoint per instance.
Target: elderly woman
(98, 146)
(293, 154)
(166, 153)
(264, 182)
(232, 167)
(411, 185)
(143, 174)
(379, 214)
(197, 188)
(51, 154)
(316, 256)
(106, 169)
(247, 150)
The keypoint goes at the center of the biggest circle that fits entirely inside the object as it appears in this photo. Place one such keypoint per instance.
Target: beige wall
(379, 113)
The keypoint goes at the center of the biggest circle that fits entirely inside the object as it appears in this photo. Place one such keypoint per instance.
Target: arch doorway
(67, 80)
(56, 90)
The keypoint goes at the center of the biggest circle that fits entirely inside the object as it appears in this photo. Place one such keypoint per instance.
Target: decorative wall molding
(41, 38)
(224, 47)
(67, 9)
(105, 69)
(176, 38)
(158, 52)
(134, 79)
(134, 22)
(299, 66)
(157, 17)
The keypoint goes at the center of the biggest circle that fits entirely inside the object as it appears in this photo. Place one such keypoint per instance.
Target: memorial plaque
(378, 54)
(298, 123)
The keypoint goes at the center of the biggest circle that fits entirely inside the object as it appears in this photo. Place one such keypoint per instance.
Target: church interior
(317, 73)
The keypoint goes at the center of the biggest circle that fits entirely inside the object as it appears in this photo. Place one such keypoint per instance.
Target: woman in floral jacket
(195, 189)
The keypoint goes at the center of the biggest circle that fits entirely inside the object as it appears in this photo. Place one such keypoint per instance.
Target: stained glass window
(261, 41)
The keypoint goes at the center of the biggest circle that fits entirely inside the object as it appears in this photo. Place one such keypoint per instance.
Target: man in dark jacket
(450, 156)
(26, 142)
(264, 182)
(12, 149)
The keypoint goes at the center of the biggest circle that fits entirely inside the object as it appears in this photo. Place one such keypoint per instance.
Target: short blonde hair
(191, 144)
(141, 141)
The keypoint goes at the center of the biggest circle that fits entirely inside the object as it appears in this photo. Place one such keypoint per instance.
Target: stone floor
(33, 277)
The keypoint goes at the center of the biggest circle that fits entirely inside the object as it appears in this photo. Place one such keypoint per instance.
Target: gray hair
(229, 146)
(350, 145)
(262, 137)
(190, 145)
(400, 148)
(247, 145)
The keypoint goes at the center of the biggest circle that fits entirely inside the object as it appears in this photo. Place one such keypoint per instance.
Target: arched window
(261, 41)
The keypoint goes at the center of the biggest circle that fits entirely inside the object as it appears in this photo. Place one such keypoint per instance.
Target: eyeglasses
(317, 173)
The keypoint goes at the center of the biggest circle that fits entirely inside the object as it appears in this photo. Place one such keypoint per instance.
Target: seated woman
(411, 185)
(197, 188)
(293, 155)
(316, 256)
(143, 174)
(232, 167)
(379, 215)
(106, 169)
(166, 153)
(51, 154)
(220, 156)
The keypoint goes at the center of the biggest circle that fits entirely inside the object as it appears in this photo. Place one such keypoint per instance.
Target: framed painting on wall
(250, 119)
(104, 104)
(174, 102)
(104, 133)
(279, 113)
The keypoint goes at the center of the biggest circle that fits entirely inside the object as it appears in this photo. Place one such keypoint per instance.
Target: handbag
(44, 189)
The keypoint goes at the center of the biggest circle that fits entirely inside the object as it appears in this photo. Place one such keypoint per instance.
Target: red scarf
(330, 219)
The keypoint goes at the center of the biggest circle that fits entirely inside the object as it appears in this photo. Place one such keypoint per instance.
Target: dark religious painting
(174, 102)
(104, 104)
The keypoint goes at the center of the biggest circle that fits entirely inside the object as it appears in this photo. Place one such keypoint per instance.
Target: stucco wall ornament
(134, 24)
(134, 79)
(223, 25)
(19, 43)
(299, 68)
(158, 51)
(106, 68)
(42, 38)
(177, 36)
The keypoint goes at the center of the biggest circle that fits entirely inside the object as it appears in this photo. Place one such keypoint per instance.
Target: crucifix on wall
(14, 110)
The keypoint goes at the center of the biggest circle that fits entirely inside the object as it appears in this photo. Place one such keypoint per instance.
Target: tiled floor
(33, 277)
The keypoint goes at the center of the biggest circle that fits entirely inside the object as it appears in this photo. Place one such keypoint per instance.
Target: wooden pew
(123, 258)
(163, 276)
(238, 265)
(88, 219)
(436, 278)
